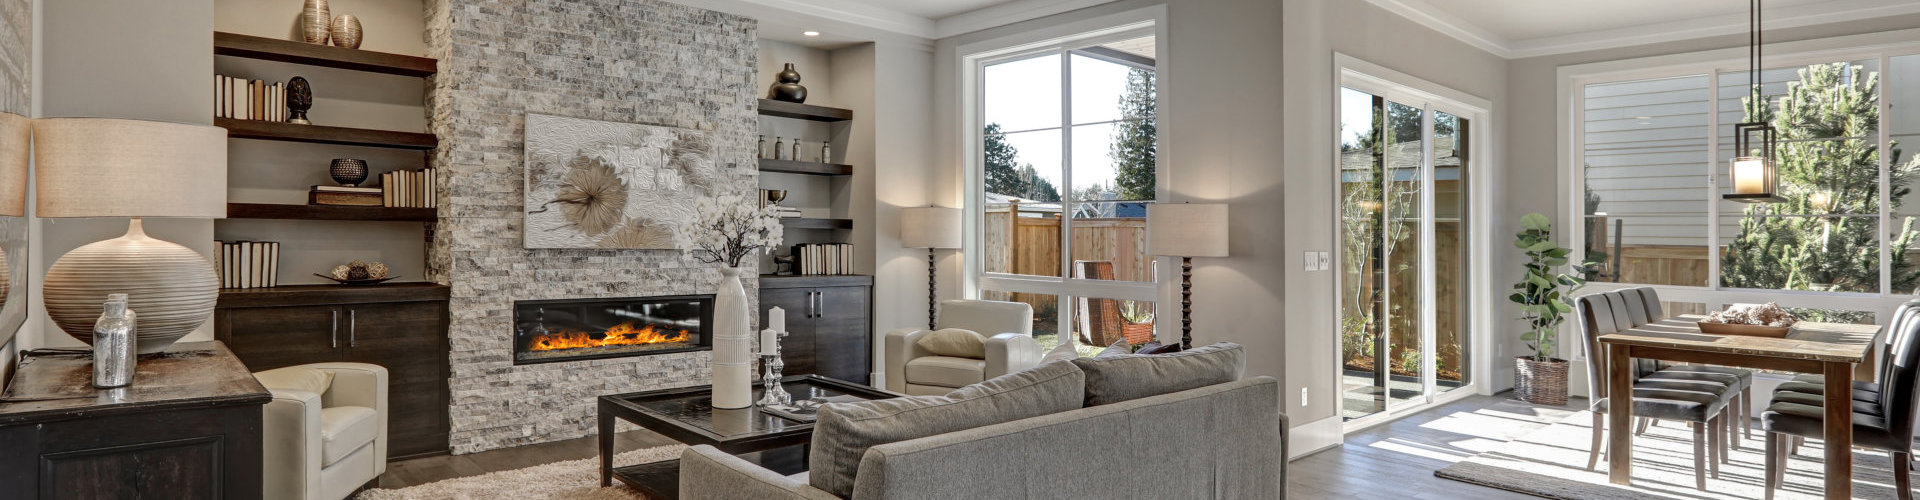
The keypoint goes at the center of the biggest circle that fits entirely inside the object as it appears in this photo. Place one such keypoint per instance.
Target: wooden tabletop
(1808, 340)
(49, 385)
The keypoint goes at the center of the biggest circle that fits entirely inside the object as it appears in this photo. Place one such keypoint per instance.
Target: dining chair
(1811, 389)
(1884, 423)
(1647, 300)
(1697, 398)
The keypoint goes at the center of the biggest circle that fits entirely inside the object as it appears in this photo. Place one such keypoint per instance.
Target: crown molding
(858, 14)
(1007, 13)
(1837, 11)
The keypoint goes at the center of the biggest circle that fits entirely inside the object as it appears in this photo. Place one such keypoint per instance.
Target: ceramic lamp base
(172, 287)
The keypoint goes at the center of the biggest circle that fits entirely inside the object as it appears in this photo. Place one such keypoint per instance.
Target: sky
(1023, 96)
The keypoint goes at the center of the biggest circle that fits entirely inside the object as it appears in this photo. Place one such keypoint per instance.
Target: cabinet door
(272, 337)
(796, 350)
(843, 333)
(409, 339)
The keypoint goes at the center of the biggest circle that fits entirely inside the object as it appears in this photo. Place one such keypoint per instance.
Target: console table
(188, 427)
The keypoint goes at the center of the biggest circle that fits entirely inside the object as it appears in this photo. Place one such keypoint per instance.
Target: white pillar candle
(777, 319)
(1749, 176)
(768, 338)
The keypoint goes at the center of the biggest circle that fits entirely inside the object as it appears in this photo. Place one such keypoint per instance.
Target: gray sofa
(1222, 441)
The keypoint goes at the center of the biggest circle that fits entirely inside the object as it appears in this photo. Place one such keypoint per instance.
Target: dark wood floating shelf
(291, 295)
(269, 49)
(813, 280)
(804, 167)
(329, 212)
(321, 134)
(810, 223)
(784, 109)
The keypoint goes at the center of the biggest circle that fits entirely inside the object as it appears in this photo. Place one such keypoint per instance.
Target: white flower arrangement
(728, 228)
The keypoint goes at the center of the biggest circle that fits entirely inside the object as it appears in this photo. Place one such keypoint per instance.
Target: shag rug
(568, 480)
(1552, 463)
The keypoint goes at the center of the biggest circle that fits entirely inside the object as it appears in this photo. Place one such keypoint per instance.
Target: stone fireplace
(547, 331)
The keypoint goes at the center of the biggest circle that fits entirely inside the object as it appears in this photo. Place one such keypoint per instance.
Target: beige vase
(313, 21)
(346, 31)
(172, 287)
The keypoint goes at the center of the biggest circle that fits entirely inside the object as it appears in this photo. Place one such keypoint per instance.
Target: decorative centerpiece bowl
(1755, 320)
(368, 281)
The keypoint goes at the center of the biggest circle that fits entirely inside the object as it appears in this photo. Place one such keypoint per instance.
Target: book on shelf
(408, 189)
(248, 264)
(346, 196)
(244, 99)
(823, 258)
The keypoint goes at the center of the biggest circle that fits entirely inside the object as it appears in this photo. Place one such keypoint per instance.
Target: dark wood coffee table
(687, 415)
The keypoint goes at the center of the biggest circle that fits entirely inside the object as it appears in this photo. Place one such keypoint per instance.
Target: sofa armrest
(1009, 353)
(708, 474)
(290, 444)
(363, 385)
(902, 345)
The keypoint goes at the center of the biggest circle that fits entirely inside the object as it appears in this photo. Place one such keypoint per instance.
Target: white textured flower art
(728, 228)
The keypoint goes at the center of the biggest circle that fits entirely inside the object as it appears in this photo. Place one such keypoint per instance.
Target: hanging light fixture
(1755, 176)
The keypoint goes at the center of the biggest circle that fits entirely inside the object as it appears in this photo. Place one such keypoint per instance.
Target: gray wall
(632, 61)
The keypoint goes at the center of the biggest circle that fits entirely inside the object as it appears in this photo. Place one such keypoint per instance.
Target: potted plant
(1136, 322)
(1540, 378)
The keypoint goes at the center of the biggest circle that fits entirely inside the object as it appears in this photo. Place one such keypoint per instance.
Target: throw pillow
(955, 342)
(1119, 347)
(1065, 352)
(1155, 347)
(296, 378)
(844, 431)
(1122, 377)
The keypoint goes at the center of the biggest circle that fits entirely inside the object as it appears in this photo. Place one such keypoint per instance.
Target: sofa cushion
(1064, 352)
(1119, 347)
(955, 342)
(296, 378)
(844, 431)
(1120, 377)
(945, 371)
(344, 429)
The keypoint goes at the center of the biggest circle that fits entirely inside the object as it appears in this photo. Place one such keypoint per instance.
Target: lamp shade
(1187, 229)
(107, 167)
(14, 133)
(930, 227)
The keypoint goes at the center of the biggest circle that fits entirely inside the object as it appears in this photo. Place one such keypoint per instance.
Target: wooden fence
(1029, 244)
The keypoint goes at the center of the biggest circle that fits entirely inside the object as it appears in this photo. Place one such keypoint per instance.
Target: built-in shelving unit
(321, 134)
(329, 212)
(804, 167)
(268, 49)
(783, 109)
(815, 223)
(286, 295)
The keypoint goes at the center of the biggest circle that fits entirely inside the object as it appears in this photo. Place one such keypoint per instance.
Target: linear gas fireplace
(546, 331)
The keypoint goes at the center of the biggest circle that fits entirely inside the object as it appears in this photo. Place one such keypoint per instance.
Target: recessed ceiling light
(1643, 118)
(810, 33)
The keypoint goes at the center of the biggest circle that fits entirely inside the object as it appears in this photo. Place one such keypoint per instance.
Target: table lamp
(931, 228)
(15, 134)
(104, 167)
(1187, 230)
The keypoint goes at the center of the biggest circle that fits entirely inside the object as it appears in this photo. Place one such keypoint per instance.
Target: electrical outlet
(1303, 397)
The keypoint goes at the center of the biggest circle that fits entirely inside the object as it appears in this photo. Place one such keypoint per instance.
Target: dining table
(1840, 352)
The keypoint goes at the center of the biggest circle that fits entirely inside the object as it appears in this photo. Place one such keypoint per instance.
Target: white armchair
(1009, 348)
(325, 431)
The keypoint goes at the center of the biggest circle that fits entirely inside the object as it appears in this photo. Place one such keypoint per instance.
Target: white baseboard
(1308, 438)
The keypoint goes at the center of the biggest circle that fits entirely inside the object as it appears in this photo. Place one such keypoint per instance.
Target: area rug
(1552, 463)
(568, 480)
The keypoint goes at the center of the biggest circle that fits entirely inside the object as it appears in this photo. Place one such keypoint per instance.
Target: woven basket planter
(1540, 382)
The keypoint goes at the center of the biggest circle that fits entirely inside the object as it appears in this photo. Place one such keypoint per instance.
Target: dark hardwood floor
(1396, 460)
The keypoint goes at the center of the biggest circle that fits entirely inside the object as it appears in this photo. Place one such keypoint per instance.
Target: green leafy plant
(1542, 295)
(1137, 313)
(1410, 361)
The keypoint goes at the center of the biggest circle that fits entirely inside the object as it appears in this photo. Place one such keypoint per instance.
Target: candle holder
(775, 395)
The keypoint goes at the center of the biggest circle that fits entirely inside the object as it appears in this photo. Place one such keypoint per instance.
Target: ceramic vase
(788, 89)
(314, 19)
(732, 344)
(299, 100)
(346, 31)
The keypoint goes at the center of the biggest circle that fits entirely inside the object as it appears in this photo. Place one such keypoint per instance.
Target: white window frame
(1060, 39)
(1572, 81)
(1357, 74)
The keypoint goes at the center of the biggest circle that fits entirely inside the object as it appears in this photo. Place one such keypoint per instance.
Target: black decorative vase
(789, 88)
(299, 100)
(348, 171)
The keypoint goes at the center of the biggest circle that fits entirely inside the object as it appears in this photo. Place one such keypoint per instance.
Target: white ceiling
(1527, 28)
(930, 9)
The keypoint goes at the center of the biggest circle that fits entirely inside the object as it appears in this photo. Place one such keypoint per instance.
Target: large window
(1067, 167)
(1651, 153)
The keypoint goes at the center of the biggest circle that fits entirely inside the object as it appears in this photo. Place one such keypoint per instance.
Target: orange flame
(622, 334)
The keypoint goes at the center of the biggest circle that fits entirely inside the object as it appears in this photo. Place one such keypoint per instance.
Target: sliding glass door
(1403, 252)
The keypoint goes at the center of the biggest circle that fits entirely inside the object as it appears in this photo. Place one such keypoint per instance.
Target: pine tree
(1134, 153)
(1005, 175)
(1828, 165)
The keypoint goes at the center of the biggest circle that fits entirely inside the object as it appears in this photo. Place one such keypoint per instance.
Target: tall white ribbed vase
(732, 344)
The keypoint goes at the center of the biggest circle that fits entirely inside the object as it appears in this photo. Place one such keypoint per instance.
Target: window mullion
(1065, 309)
(1886, 258)
(1714, 252)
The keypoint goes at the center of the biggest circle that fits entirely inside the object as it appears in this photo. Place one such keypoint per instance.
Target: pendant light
(1754, 175)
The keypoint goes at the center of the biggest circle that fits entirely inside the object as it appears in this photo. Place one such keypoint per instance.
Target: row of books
(823, 258)
(406, 189)
(244, 99)
(249, 264)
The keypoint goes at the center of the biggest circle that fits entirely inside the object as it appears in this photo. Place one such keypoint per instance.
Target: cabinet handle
(823, 304)
(336, 328)
(813, 304)
(353, 327)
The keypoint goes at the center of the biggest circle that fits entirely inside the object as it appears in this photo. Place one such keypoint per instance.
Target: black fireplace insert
(547, 331)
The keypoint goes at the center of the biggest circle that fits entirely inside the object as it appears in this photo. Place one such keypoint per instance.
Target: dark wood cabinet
(188, 427)
(401, 327)
(829, 324)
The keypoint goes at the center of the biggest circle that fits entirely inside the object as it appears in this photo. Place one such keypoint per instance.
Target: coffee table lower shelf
(661, 480)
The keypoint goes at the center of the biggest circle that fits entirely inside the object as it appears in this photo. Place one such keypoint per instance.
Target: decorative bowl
(369, 281)
(1743, 329)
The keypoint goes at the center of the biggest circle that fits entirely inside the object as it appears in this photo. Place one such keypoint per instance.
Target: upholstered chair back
(1901, 373)
(986, 317)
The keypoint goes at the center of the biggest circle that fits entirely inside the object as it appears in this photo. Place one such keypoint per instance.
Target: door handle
(353, 323)
(336, 329)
